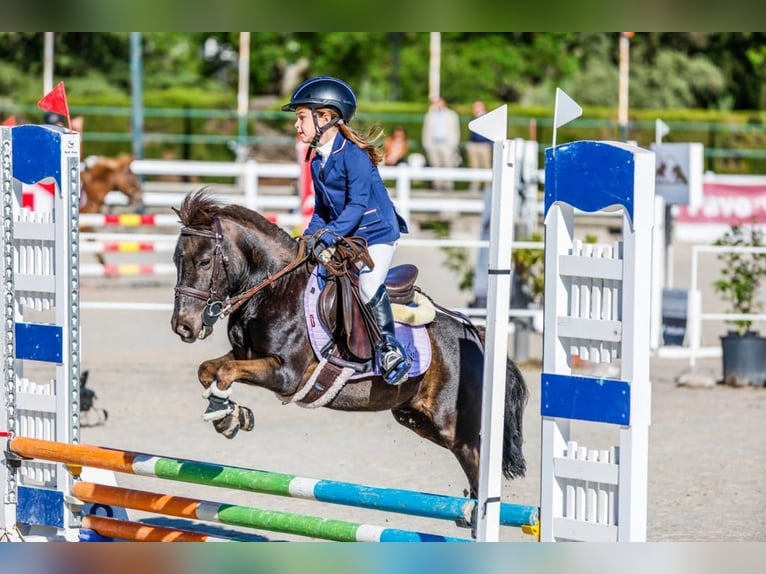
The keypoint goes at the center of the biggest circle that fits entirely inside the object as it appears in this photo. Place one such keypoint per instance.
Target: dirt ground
(706, 462)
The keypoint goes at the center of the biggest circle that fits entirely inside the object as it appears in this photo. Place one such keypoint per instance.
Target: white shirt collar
(325, 150)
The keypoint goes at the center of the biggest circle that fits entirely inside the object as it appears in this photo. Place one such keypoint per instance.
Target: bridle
(217, 306)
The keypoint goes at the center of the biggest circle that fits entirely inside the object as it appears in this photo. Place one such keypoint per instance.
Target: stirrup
(395, 366)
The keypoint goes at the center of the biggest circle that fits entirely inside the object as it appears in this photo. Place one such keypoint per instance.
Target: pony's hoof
(245, 417)
(238, 418)
(468, 520)
(227, 426)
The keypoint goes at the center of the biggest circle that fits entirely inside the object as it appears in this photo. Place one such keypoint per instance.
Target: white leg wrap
(215, 391)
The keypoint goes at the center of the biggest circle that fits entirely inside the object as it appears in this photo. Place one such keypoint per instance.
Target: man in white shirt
(441, 138)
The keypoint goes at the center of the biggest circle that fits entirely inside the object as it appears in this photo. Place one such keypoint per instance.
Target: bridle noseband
(215, 305)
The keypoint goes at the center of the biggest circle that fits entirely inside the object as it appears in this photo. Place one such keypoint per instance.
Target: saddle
(342, 312)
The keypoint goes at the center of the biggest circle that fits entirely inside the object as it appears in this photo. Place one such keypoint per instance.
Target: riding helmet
(324, 92)
(53, 119)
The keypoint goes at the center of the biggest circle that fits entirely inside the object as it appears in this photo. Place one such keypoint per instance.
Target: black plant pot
(744, 359)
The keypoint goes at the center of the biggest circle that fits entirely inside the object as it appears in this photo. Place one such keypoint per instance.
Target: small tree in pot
(743, 350)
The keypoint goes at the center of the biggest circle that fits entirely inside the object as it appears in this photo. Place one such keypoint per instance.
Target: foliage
(529, 268)
(690, 80)
(741, 273)
(677, 80)
(457, 258)
(717, 70)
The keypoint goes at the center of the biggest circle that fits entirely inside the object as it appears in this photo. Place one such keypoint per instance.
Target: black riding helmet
(324, 92)
(54, 119)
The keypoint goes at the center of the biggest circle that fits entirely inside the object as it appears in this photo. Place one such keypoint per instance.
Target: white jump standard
(596, 308)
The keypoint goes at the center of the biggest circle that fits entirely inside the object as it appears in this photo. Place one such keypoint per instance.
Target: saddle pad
(414, 339)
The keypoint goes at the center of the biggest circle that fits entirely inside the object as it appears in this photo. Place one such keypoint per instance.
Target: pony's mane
(199, 207)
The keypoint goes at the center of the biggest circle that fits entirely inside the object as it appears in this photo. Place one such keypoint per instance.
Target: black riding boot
(394, 362)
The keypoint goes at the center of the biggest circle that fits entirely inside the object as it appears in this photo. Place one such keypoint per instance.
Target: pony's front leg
(208, 371)
(227, 416)
(268, 372)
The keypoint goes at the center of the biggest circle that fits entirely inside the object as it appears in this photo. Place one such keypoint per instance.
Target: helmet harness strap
(318, 131)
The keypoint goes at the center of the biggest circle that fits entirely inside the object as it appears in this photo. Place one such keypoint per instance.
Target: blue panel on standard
(39, 342)
(36, 154)
(590, 175)
(585, 399)
(38, 506)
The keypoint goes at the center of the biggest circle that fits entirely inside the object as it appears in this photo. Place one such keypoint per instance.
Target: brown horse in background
(101, 175)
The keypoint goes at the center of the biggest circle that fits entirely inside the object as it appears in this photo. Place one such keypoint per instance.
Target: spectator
(395, 147)
(478, 148)
(441, 138)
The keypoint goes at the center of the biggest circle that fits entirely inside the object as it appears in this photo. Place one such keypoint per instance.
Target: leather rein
(216, 306)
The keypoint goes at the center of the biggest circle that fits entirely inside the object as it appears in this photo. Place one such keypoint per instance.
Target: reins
(217, 307)
(300, 258)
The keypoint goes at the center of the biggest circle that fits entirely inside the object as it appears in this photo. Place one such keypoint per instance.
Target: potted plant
(743, 350)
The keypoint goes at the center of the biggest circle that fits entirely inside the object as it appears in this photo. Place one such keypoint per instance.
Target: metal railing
(696, 315)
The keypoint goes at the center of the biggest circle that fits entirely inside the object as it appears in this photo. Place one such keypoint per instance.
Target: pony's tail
(516, 397)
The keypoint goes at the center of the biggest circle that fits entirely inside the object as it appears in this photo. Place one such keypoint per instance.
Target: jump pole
(196, 472)
(247, 516)
(140, 532)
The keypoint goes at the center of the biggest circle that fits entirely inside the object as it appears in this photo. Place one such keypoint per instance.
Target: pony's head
(201, 268)
(222, 250)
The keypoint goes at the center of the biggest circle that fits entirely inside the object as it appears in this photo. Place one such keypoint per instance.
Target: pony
(100, 175)
(231, 261)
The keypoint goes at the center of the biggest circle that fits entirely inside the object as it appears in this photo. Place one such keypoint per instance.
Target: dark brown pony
(224, 251)
(104, 174)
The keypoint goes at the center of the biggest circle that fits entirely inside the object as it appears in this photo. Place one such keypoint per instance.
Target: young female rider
(351, 199)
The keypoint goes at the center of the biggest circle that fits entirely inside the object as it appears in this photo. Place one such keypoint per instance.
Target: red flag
(55, 101)
(11, 121)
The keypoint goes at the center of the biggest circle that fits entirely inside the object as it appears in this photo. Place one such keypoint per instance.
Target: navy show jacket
(350, 198)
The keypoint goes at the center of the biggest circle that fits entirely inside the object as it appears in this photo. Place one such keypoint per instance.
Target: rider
(351, 200)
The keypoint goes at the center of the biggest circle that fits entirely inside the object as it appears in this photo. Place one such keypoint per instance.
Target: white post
(243, 93)
(48, 38)
(658, 270)
(624, 78)
(250, 176)
(494, 126)
(434, 67)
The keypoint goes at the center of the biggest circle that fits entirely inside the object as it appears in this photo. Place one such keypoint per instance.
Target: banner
(723, 204)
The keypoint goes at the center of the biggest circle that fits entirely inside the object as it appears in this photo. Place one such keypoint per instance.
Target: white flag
(661, 129)
(566, 109)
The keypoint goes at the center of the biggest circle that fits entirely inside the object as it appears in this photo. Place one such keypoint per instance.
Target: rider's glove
(325, 256)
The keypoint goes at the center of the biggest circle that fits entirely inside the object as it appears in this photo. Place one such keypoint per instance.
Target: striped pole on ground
(140, 532)
(344, 493)
(250, 517)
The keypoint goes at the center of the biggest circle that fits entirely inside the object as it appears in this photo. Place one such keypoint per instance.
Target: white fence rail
(250, 173)
(247, 177)
(696, 315)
